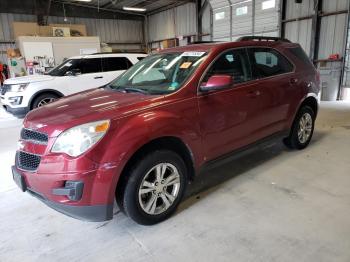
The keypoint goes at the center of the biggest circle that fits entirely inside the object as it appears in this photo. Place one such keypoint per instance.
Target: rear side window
(268, 62)
(300, 54)
(91, 65)
(140, 58)
(115, 63)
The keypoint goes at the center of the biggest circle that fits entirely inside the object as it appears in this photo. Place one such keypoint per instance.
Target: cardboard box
(33, 29)
(60, 31)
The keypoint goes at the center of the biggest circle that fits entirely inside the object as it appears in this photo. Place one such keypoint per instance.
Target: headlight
(19, 87)
(77, 140)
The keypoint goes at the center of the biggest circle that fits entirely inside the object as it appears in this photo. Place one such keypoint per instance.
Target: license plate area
(19, 180)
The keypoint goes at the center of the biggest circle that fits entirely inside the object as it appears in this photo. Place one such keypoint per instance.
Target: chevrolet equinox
(140, 139)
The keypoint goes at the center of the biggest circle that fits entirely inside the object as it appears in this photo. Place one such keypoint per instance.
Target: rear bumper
(95, 213)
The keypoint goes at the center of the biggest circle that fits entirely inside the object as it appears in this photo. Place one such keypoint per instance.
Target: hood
(28, 79)
(88, 106)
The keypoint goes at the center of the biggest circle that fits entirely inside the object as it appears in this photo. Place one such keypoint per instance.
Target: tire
(148, 200)
(44, 99)
(300, 136)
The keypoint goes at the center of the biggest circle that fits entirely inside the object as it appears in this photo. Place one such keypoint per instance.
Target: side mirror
(73, 72)
(217, 82)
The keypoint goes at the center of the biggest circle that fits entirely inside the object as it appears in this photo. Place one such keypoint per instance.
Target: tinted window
(233, 63)
(68, 65)
(91, 65)
(267, 62)
(116, 63)
(140, 58)
(300, 54)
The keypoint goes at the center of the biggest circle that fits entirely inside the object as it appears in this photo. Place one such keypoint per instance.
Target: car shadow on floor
(210, 179)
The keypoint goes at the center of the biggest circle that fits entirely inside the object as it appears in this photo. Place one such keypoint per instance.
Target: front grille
(4, 89)
(34, 136)
(28, 161)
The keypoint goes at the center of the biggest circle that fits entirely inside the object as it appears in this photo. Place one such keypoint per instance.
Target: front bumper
(17, 111)
(88, 199)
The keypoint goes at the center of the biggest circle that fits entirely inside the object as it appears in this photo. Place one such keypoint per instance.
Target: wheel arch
(310, 101)
(167, 142)
(41, 92)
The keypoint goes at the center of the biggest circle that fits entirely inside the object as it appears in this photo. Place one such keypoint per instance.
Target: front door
(227, 116)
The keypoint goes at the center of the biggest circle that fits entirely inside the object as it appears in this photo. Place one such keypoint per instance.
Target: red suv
(140, 139)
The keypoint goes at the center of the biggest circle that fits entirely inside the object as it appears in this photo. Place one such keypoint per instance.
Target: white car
(22, 94)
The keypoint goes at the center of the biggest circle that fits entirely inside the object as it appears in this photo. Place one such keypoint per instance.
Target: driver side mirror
(217, 82)
(73, 72)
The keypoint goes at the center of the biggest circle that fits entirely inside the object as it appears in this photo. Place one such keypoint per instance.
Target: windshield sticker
(196, 54)
(186, 65)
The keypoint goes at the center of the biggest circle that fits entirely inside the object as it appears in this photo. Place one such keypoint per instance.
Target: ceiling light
(83, 0)
(136, 9)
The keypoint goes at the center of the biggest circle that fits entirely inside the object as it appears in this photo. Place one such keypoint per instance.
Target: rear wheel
(302, 130)
(44, 99)
(155, 187)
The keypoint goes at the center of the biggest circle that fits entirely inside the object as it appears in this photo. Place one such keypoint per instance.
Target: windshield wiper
(129, 89)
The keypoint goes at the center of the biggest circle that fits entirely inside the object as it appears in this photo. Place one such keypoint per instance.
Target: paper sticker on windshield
(185, 65)
(196, 54)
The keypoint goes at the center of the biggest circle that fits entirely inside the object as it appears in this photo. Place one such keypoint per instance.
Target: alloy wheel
(46, 101)
(305, 128)
(159, 188)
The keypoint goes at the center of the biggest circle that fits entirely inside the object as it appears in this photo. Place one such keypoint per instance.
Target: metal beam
(315, 29)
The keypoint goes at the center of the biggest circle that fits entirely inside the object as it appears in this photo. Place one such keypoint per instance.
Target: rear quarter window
(299, 53)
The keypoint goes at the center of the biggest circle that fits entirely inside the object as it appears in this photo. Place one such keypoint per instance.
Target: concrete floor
(271, 205)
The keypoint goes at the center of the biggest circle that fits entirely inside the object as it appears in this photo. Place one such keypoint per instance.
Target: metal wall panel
(300, 32)
(267, 13)
(242, 21)
(334, 5)
(221, 23)
(178, 21)
(185, 20)
(332, 35)
(295, 10)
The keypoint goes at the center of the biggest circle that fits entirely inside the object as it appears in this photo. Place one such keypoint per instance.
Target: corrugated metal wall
(120, 33)
(235, 18)
(332, 40)
(178, 21)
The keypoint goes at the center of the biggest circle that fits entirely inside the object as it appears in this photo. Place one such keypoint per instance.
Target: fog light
(15, 100)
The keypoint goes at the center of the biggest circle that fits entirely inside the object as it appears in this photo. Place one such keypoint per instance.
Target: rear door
(275, 77)
(114, 66)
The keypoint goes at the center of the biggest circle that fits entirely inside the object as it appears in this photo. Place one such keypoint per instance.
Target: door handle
(98, 77)
(253, 94)
(293, 80)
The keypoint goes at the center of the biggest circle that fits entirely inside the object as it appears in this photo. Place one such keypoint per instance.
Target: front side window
(268, 62)
(160, 73)
(234, 63)
(69, 65)
(115, 64)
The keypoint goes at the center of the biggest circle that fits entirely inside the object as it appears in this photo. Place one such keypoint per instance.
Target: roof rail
(262, 38)
(202, 42)
(119, 52)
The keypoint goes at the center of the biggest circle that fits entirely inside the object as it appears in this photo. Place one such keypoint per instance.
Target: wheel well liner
(311, 102)
(46, 91)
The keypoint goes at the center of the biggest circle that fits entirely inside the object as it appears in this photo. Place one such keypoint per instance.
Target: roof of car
(97, 55)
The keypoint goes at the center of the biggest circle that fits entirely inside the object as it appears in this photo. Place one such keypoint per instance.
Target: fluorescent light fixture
(136, 9)
(83, 0)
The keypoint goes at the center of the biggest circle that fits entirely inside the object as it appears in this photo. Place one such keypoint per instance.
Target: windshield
(159, 73)
(62, 69)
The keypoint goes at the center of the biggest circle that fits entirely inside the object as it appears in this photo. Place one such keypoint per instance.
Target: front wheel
(44, 99)
(155, 187)
(302, 130)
